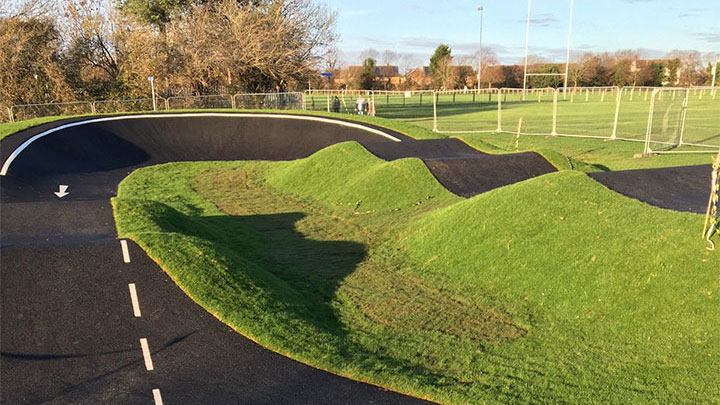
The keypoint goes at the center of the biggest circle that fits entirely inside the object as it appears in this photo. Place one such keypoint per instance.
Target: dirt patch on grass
(401, 300)
(384, 293)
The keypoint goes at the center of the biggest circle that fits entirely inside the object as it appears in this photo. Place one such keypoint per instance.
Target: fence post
(435, 127)
(233, 104)
(554, 124)
(683, 114)
(499, 112)
(618, 99)
(92, 108)
(10, 113)
(167, 103)
(648, 131)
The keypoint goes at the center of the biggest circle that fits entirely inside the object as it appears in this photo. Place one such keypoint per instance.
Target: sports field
(583, 112)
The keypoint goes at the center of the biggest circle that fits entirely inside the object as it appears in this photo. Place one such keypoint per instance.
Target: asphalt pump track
(68, 333)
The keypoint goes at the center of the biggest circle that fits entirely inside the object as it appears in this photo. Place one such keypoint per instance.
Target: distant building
(386, 73)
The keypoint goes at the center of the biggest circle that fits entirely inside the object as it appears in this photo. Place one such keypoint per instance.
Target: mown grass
(551, 290)
(587, 154)
(584, 112)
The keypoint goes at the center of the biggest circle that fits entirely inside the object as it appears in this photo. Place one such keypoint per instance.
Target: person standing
(336, 104)
(360, 105)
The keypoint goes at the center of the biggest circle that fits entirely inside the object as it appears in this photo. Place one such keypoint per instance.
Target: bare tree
(30, 71)
(691, 70)
(369, 53)
(388, 57)
(92, 57)
(28, 8)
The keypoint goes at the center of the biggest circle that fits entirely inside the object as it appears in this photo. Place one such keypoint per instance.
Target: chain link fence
(664, 118)
(277, 101)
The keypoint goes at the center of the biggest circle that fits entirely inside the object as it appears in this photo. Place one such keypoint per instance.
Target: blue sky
(418, 26)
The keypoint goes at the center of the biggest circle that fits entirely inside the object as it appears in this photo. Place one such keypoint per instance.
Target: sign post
(327, 76)
(152, 90)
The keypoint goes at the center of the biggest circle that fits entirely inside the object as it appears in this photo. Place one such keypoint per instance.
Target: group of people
(362, 106)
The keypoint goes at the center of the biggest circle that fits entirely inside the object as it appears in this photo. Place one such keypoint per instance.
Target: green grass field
(553, 290)
(589, 112)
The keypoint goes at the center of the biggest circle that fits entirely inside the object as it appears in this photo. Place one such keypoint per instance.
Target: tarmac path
(70, 292)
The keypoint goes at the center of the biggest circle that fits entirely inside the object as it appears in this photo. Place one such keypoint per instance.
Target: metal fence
(683, 119)
(592, 112)
(278, 101)
(663, 118)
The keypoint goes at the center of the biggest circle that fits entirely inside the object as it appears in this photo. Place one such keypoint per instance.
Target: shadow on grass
(300, 274)
(297, 279)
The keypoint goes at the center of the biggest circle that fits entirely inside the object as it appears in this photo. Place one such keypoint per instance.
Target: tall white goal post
(567, 54)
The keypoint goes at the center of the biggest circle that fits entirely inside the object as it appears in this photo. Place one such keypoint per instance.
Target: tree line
(85, 49)
(622, 68)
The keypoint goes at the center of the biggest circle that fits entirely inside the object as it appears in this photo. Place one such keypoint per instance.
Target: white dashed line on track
(157, 397)
(125, 252)
(146, 354)
(134, 299)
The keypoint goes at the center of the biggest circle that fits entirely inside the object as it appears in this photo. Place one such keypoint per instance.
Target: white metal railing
(682, 118)
(608, 112)
(654, 115)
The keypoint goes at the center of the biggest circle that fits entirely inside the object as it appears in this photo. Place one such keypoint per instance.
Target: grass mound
(550, 290)
(347, 174)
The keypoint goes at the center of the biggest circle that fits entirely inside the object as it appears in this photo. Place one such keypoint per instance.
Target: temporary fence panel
(274, 101)
(683, 120)
(112, 106)
(464, 111)
(535, 107)
(632, 113)
(199, 102)
(665, 125)
(28, 111)
(702, 118)
(411, 106)
(587, 111)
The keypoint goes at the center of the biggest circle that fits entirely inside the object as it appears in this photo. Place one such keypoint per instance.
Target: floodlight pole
(567, 58)
(481, 55)
(527, 38)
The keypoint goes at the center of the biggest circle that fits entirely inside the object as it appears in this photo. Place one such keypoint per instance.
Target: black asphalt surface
(684, 189)
(67, 331)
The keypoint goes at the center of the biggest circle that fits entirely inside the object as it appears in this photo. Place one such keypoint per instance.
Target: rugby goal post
(567, 55)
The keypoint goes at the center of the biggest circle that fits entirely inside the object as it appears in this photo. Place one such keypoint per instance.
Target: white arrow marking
(61, 191)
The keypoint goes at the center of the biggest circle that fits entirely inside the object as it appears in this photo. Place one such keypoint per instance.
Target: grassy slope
(593, 153)
(620, 293)
(357, 178)
(435, 298)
